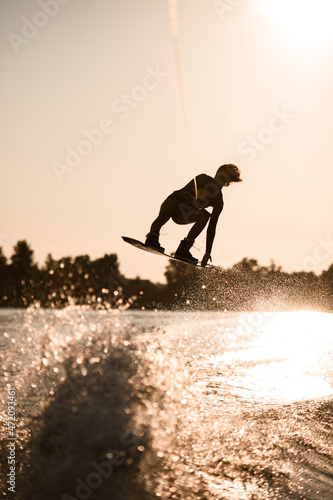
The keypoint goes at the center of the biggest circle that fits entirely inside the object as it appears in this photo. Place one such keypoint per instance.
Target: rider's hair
(229, 173)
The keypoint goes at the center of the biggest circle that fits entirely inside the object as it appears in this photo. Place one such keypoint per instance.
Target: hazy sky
(258, 79)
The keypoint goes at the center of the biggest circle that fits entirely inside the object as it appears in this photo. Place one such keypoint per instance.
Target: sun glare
(291, 357)
(306, 23)
(301, 343)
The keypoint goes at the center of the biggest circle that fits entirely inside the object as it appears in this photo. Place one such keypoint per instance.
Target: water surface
(184, 405)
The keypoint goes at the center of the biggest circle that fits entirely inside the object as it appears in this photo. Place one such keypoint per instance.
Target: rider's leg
(167, 209)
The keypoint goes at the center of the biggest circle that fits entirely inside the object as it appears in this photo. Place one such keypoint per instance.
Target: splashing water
(142, 405)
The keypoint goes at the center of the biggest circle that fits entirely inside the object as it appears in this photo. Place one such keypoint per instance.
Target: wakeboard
(146, 248)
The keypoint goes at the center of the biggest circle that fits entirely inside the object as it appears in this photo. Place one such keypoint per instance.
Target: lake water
(157, 405)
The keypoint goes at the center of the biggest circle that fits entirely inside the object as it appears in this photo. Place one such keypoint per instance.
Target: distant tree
(143, 294)
(326, 280)
(22, 258)
(104, 279)
(50, 263)
(3, 259)
(23, 276)
(246, 266)
(3, 278)
(57, 281)
(80, 280)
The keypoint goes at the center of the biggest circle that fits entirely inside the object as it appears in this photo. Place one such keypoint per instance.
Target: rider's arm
(211, 232)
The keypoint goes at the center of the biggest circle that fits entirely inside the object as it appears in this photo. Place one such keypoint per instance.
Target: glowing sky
(258, 79)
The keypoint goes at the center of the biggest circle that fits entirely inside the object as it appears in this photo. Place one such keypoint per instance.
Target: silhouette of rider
(188, 205)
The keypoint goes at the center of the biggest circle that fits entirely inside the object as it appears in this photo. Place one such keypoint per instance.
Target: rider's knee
(205, 214)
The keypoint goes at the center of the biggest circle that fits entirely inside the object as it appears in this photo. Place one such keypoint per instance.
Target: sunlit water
(183, 405)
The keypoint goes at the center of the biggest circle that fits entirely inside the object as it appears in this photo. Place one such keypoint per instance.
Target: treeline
(99, 282)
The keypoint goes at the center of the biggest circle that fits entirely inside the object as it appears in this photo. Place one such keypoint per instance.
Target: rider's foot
(152, 241)
(183, 251)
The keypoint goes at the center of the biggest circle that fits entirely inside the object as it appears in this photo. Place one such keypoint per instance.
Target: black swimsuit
(189, 206)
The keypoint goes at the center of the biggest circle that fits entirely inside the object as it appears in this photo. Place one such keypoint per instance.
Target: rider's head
(227, 174)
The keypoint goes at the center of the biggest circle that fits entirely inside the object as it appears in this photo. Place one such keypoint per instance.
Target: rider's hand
(205, 259)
